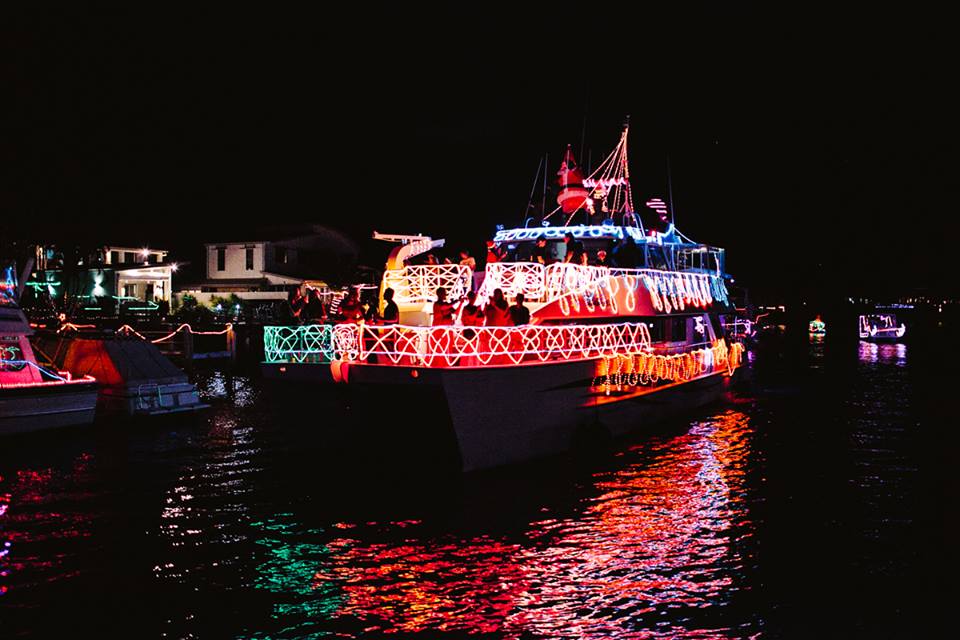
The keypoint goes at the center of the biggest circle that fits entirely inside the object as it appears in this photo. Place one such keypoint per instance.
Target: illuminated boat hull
(49, 406)
(511, 414)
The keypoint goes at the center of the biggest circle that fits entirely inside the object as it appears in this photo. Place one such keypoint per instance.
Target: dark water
(816, 502)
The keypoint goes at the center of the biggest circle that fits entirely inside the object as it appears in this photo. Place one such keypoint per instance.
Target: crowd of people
(497, 312)
(307, 304)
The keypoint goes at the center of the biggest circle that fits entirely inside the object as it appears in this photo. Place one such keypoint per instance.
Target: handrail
(668, 290)
(60, 377)
(417, 284)
(452, 345)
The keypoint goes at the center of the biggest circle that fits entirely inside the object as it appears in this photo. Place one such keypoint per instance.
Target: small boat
(881, 327)
(817, 327)
(34, 397)
(135, 378)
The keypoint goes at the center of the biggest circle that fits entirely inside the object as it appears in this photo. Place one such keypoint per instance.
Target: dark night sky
(796, 140)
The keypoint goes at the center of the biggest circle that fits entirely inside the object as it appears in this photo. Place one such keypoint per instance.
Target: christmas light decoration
(126, 330)
(817, 326)
(881, 327)
(59, 377)
(625, 372)
(418, 284)
(452, 345)
(668, 290)
(307, 343)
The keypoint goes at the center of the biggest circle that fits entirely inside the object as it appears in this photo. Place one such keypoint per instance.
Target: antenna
(583, 131)
(543, 203)
(533, 189)
(670, 190)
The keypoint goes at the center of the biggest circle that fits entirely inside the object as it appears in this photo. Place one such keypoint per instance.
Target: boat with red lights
(34, 397)
(627, 326)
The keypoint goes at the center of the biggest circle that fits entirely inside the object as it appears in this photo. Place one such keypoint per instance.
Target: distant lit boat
(33, 397)
(881, 327)
(817, 327)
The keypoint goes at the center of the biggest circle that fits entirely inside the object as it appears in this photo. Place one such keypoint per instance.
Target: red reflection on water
(32, 521)
(657, 535)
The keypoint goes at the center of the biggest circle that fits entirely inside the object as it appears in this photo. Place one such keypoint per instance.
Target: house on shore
(269, 268)
(130, 277)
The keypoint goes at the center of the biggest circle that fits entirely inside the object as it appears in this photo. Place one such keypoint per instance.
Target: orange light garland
(645, 369)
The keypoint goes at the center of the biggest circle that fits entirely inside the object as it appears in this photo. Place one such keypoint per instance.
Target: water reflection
(41, 530)
(661, 533)
(884, 352)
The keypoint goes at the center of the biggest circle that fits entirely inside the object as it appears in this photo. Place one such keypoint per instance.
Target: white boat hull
(511, 414)
(27, 409)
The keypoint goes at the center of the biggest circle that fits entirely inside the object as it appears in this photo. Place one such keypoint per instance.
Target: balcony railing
(452, 345)
(669, 290)
(417, 284)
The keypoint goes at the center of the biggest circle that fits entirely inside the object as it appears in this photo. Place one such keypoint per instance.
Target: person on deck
(471, 315)
(519, 314)
(443, 311)
(601, 260)
(540, 253)
(350, 309)
(574, 250)
(467, 259)
(391, 312)
(497, 311)
(493, 252)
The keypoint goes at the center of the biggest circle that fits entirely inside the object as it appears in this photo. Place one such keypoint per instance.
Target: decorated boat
(817, 327)
(626, 327)
(34, 397)
(881, 327)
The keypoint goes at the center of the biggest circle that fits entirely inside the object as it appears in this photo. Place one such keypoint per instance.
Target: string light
(445, 346)
(668, 290)
(622, 372)
(881, 327)
(127, 330)
(59, 377)
(417, 284)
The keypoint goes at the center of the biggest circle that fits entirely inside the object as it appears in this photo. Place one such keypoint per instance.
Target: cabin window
(280, 254)
(249, 259)
(114, 257)
(128, 256)
(678, 330)
(221, 259)
(656, 329)
(152, 258)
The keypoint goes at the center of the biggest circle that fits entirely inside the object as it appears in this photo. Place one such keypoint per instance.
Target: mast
(543, 201)
(533, 189)
(670, 190)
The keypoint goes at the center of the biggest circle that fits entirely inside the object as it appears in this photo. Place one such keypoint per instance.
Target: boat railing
(452, 345)
(668, 290)
(54, 377)
(739, 328)
(418, 284)
(305, 343)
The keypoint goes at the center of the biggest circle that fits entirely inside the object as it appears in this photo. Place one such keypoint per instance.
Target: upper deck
(643, 275)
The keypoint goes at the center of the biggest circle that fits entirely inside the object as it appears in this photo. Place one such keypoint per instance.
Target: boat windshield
(8, 286)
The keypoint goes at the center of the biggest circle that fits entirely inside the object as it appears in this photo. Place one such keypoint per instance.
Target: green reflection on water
(289, 569)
